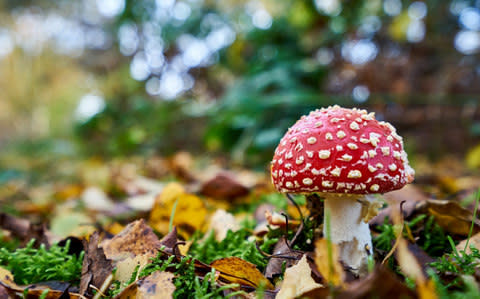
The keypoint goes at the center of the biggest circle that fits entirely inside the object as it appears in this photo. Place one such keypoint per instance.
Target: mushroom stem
(348, 231)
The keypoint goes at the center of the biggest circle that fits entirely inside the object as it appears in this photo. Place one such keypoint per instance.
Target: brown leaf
(410, 194)
(298, 281)
(223, 185)
(281, 254)
(381, 283)
(24, 230)
(96, 267)
(157, 285)
(134, 245)
(236, 270)
(451, 216)
(327, 262)
(137, 238)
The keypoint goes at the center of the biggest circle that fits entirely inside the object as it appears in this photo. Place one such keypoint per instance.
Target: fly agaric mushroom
(343, 155)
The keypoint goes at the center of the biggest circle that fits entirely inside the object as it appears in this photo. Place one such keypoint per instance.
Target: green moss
(29, 265)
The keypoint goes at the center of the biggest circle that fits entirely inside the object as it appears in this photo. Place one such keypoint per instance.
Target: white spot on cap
(335, 120)
(293, 139)
(305, 131)
(299, 160)
(293, 173)
(372, 168)
(280, 161)
(288, 165)
(379, 165)
(374, 138)
(364, 140)
(289, 155)
(339, 148)
(327, 184)
(346, 157)
(288, 184)
(336, 172)
(318, 124)
(341, 134)
(299, 147)
(315, 171)
(374, 187)
(340, 185)
(329, 136)
(372, 153)
(324, 154)
(392, 167)
(397, 155)
(275, 174)
(385, 150)
(309, 154)
(354, 126)
(390, 138)
(352, 146)
(354, 174)
(307, 181)
(311, 140)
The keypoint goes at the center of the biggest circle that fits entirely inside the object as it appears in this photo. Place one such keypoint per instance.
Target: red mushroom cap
(339, 150)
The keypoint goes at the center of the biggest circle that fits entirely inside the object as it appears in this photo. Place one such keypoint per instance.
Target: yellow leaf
(190, 211)
(236, 270)
(297, 281)
(327, 262)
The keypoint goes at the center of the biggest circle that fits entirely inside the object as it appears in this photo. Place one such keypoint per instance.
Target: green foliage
(234, 244)
(138, 126)
(431, 237)
(458, 263)
(29, 265)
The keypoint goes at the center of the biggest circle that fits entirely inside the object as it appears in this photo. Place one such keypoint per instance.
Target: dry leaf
(298, 281)
(451, 216)
(474, 241)
(157, 285)
(327, 262)
(190, 212)
(221, 222)
(236, 270)
(282, 254)
(381, 283)
(96, 199)
(223, 185)
(135, 245)
(96, 267)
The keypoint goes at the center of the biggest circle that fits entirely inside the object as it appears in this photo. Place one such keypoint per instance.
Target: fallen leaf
(281, 254)
(327, 262)
(157, 285)
(223, 185)
(96, 199)
(410, 195)
(381, 283)
(190, 212)
(221, 222)
(24, 230)
(451, 216)
(133, 246)
(236, 270)
(298, 281)
(68, 223)
(278, 219)
(473, 241)
(96, 267)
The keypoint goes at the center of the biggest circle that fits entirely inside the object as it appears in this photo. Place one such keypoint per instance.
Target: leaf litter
(213, 236)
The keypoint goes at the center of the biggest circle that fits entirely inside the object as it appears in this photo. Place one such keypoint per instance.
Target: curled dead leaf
(298, 281)
(236, 270)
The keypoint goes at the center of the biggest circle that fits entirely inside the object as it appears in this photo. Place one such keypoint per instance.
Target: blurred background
(102, 79)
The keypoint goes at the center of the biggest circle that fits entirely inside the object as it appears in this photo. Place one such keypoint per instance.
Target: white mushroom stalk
(348, 229)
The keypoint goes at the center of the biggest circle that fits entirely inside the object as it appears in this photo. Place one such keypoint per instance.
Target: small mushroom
(344, 156)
